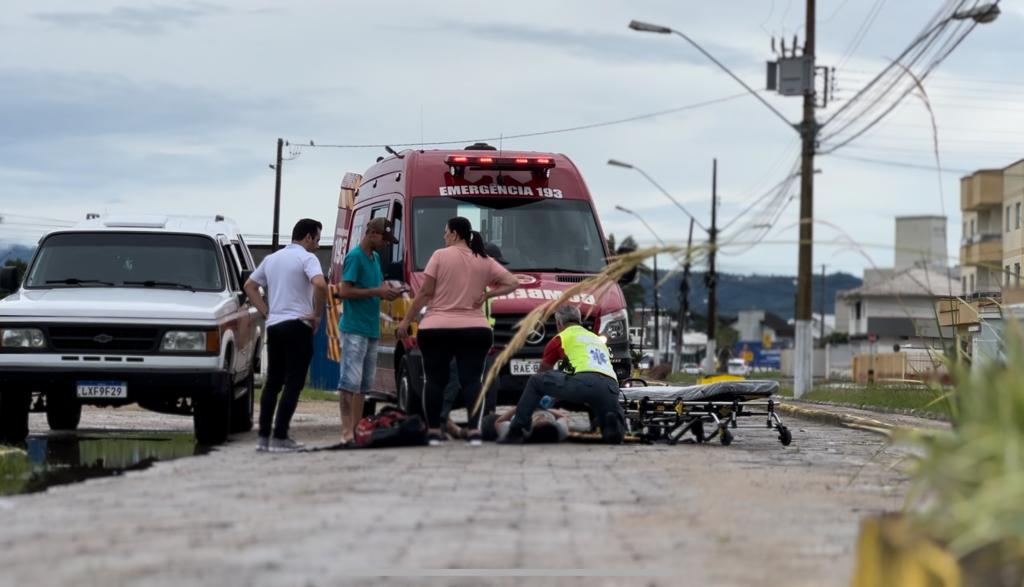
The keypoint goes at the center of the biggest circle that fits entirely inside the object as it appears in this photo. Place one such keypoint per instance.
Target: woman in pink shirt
(460, 278)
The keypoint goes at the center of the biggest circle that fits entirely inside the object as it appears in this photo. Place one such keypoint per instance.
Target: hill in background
(773, 293)
(22, 252)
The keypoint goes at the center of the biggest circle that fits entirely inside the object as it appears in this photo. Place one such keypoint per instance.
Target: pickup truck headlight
(190, 341)
(614, 326)
(22, 338)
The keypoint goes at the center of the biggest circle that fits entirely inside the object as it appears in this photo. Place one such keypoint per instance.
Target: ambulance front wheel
(409, 398)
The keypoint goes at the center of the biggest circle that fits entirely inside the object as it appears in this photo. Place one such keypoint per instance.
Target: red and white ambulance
(534, 206)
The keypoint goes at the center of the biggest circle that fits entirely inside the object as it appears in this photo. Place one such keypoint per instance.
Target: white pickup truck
(120, 310)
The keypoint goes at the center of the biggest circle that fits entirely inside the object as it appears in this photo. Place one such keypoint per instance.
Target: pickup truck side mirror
(394, 271)
(9, 279)
(630, 276)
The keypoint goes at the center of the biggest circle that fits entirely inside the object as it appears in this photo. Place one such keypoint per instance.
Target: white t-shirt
(287, 276)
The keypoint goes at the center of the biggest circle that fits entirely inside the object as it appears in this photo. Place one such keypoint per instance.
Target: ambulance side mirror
(630, 276)
(9, 279)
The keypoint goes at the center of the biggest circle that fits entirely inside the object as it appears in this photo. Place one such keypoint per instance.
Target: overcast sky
(175, 107)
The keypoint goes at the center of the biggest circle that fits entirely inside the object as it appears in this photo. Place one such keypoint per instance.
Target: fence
(913, 364)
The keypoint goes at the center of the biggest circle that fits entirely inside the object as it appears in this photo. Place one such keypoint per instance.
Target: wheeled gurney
(668, 413)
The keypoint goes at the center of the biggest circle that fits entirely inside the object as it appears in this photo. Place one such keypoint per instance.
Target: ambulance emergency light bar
(459, 163)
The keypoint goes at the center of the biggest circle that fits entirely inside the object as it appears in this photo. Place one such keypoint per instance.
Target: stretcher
(706, 410)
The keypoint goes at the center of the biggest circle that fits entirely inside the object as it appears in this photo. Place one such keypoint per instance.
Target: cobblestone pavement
(751, 513)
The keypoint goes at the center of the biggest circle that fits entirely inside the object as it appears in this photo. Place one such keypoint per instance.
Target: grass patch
(923, 399)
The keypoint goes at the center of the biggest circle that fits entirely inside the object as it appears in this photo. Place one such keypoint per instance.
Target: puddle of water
(46, 461)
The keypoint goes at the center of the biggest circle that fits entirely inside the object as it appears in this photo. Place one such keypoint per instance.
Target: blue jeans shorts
(358, 363)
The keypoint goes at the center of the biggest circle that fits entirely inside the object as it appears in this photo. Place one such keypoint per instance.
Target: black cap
(494, 252)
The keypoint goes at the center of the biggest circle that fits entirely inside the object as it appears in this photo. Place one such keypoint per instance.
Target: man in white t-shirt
(296, 292)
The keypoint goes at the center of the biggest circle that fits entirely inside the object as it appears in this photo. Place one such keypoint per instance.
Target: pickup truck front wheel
(63, 411)
(211, 415)
(14, 407)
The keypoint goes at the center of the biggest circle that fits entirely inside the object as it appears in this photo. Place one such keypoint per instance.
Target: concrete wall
(839, 362)
(817, 366)
(844, 312)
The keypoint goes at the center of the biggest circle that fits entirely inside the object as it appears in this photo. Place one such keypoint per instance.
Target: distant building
(920, 242)
(762, 337)
(981, 247)
(897, 307)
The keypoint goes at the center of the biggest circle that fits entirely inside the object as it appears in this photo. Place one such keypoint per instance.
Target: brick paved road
(751, 513)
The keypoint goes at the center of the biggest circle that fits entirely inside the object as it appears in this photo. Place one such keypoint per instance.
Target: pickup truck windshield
(533, 235)
(97, 259)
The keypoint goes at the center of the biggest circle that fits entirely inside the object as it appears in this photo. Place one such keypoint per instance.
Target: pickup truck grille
(504, 329)
(117, 339)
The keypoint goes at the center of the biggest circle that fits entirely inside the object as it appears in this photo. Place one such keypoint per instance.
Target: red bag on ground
(390, 427)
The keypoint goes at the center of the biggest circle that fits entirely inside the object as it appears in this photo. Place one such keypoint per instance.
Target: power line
(41, 218)
(902, 164)
(862, 32)
(530, 134)
(895, 75)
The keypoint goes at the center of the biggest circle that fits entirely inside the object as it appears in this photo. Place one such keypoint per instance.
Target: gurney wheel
(698, 431)
(785, 436)
(726, 437)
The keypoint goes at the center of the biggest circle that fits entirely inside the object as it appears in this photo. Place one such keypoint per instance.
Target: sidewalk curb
(834, 419)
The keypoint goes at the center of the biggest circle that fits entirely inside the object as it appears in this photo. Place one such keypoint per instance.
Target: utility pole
(277, 197)
(711, 277)
(821, 337)
(657, 333)
(808, 132)
(684, 305)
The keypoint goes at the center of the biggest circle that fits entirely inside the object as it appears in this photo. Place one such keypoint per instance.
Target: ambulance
(535, 207)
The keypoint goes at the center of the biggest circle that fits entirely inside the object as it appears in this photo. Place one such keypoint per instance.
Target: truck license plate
(102, 389)
(524, 366)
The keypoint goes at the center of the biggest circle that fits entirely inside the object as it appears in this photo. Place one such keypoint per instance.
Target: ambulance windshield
(533, 235)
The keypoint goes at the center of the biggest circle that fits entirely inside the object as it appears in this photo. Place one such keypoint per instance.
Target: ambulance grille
(504, 330)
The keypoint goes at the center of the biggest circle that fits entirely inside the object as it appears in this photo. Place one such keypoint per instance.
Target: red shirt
(553, 352)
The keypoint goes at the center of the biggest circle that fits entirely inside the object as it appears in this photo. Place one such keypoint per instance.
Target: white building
(897, 307)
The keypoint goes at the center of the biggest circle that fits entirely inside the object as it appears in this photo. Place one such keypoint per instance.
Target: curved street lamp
(657, 307)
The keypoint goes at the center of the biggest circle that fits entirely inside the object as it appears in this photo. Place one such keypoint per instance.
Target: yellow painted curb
(846, 420)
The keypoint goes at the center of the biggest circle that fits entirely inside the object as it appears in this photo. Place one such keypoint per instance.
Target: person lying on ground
(546, 426)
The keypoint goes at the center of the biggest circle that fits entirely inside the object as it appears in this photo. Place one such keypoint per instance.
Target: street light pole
(684, 305)
(657, 333)
(624, 165)
(277, 197)
(711, 277)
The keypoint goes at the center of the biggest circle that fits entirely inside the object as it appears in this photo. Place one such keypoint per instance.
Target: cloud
(627, 47)
(152, 20)
(96, 136)
(48, 105)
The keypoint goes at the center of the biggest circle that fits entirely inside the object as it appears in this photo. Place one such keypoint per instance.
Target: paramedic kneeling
(586, 378)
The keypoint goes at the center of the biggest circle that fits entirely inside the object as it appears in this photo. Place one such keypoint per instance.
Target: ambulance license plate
(524, 366)
(102, 389)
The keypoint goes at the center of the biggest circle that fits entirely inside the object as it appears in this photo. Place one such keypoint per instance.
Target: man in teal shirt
(361, 292)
